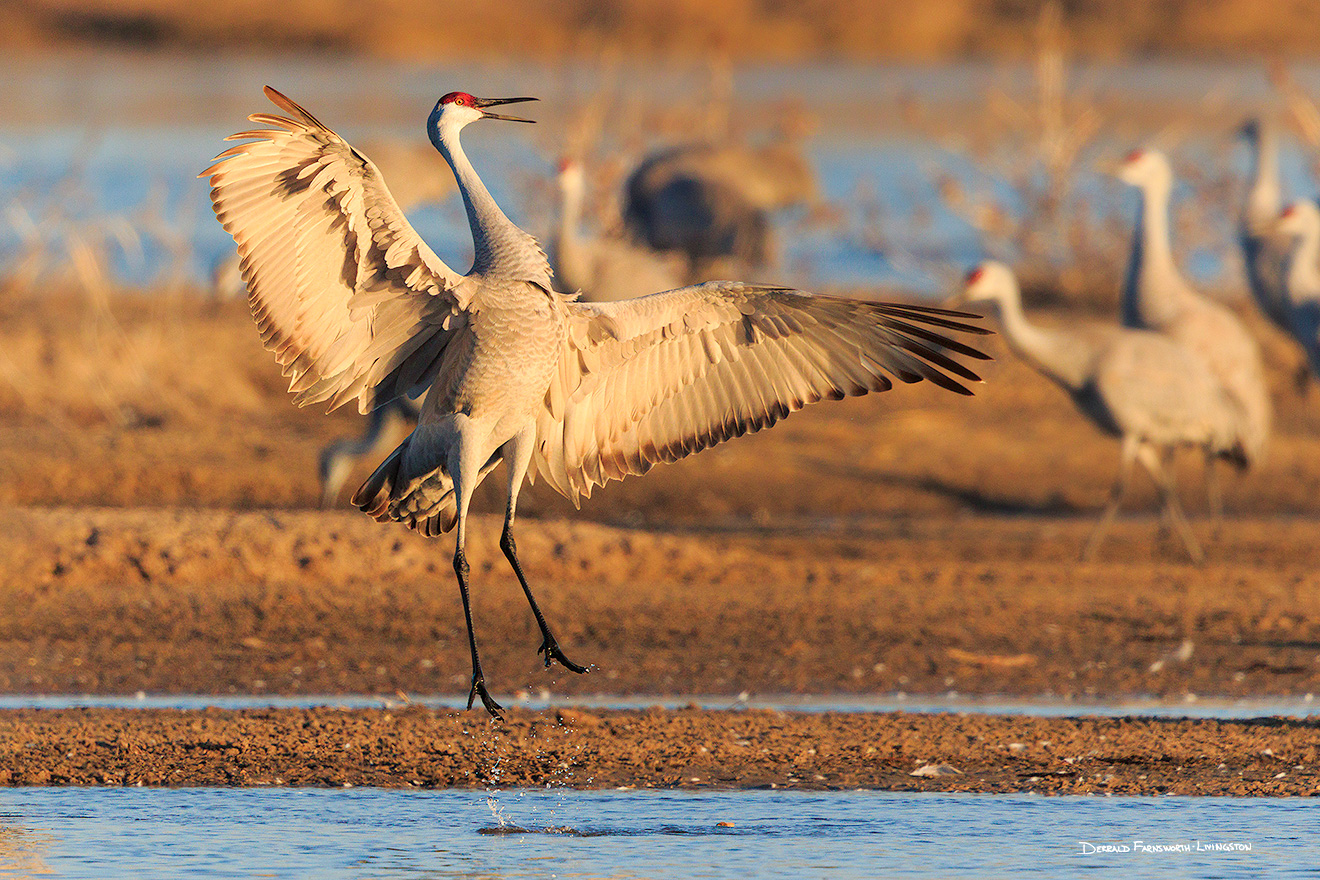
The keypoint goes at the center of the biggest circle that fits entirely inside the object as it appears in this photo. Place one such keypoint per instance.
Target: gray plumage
(1157, 298)
(1138, 385)
(711, 201)
(602, 269)
(355, 305)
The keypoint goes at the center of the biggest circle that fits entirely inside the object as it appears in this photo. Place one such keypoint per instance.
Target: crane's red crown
(1134, 155)
(975, 275)
(1288, 211)
(462, 99)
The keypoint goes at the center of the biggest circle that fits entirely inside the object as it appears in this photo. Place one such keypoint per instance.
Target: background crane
(1151, 392)
(1156, 297)
(602, 268)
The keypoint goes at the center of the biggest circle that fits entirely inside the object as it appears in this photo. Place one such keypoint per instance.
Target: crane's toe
(479, 690)
(550, 648)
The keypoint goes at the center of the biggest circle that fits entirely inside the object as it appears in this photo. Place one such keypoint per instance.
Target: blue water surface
(91, 146)
(140, 834)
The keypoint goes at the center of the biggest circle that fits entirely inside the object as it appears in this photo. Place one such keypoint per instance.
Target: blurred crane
(1300, 222)
(1156, 297)
(711, 201)
(355, 305)
(1138, 385)
(1264, 255)
(603, 269)
(338, 459)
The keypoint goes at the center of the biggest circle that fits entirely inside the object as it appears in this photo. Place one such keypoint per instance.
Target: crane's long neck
(500, 248)
(1152, 294)
(1056, 354)
(569, 250)
(1266, 194)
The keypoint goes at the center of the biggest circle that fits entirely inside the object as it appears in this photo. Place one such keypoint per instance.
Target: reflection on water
(22, 850)
(112, 833)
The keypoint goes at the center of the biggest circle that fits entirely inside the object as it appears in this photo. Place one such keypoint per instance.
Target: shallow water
(1041, 707)
(112, 833)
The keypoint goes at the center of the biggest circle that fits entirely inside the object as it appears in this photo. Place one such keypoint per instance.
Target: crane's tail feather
(424, 502)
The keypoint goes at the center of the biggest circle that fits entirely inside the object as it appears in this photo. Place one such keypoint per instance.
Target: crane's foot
(550, 648)
(479, 690)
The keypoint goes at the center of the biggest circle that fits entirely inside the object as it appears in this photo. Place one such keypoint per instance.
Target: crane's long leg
(1214, 490)
(1116, 495)
(517, 456)
(464, 469)
(1156, 464)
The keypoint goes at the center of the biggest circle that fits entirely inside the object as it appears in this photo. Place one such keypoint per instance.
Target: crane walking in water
(1138, 385)
(355, 305)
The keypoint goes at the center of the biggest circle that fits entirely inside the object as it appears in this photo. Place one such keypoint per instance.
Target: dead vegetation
(745, 29)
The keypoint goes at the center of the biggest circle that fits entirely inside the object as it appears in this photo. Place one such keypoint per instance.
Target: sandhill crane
(713, 201)
(1157, 298)
(603, 269)
(1264, 255)
(1138, 385)
(355, 304)
(1300, 221)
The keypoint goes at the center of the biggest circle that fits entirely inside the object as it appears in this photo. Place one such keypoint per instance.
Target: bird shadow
(974, 498)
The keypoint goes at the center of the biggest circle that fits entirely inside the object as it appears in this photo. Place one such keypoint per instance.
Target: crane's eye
(461, 101)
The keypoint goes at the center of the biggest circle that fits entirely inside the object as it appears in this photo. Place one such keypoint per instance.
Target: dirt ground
(158, 532)
(658, 748)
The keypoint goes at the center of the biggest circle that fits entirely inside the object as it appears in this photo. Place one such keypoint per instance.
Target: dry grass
(178, 404)
(937, 29)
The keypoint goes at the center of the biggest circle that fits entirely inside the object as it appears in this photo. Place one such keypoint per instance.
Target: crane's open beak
(483, 103)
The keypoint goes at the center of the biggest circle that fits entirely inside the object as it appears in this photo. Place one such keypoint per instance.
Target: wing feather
(664, 376)
(345, 293)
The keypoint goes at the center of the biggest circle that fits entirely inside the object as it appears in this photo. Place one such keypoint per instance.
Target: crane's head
(1145, 168)
(462, 108)
(1301, 218)
(457, 109)
(991, 281)
(571, 177)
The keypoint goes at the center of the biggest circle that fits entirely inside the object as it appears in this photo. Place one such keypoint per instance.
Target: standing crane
(355, 305)
(1156, 297)
(1263, 254)
(1138, 385)
(603, 269)
(713, 202)
(1300, 221)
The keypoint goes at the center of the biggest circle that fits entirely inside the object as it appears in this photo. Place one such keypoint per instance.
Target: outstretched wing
(663, 376)
(344, 291)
